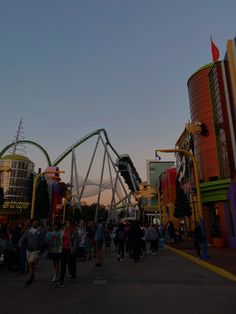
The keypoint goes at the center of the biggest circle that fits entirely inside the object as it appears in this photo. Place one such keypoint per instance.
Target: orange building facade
(210, 137)
(211, 105)
(212, 147)
(168, 192)
(205, 147)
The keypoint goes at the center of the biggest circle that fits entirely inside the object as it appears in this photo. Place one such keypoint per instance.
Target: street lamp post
(161, 243)
(159, 204)
(34, 189)
(203, 229)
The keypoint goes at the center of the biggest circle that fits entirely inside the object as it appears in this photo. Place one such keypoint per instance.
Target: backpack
(55, 245)
(120, 235)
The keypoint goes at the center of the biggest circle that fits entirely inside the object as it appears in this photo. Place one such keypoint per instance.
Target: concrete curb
(220, 271)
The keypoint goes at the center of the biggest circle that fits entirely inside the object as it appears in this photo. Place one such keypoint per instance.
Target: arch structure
(5, 149)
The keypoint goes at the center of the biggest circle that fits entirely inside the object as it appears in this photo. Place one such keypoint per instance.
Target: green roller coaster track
(82, 140)
(67, 151)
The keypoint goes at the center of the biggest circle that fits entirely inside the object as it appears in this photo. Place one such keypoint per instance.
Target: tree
(73, 212)
(182, 207)
(42, 201)
(88, 212)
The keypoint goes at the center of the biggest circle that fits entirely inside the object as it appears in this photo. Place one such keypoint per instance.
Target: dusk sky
(69, 67)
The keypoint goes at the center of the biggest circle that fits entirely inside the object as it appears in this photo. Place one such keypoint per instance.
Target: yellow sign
(146, 191)
(150, 208)
(17, 205)
(5, 169)
(194, 127)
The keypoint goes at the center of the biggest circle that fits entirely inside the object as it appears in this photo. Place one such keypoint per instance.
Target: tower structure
(17, 183)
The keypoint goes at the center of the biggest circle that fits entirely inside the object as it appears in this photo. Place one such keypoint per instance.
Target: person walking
(136, 234)
(83, 241)
(107, 238)
(197, 237)
(55, 246)
(90, 230)
(17, 233)
(99, 238)
(171, 231)
(144, 241)
(113, 237)
(70, 241)
(152, 237)
(121, 237)
(128, 242)
(23, 264)
(34, 240)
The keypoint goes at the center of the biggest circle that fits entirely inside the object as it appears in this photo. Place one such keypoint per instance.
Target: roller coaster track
(67, 151)
(124, 163)
(82, 140)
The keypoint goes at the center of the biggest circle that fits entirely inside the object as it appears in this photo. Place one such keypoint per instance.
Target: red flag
(215, 51)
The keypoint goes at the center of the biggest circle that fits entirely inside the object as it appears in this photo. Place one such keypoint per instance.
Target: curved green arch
(82, 140)
(27, 142)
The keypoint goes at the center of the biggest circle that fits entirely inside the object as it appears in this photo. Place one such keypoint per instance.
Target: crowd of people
(66, 244)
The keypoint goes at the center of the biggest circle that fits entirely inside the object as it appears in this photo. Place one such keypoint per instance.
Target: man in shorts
(34, 240)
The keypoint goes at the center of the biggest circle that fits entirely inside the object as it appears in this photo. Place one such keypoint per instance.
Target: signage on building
(16, 205)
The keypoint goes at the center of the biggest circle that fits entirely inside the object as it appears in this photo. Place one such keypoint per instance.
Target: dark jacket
(74, 242)
(197, 234)
(136, 232)
(120, 233)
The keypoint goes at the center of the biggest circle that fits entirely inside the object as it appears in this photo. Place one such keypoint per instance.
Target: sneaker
(74, 280)
(28, 282)
(98, 264)
(59, 285)
(54, 278)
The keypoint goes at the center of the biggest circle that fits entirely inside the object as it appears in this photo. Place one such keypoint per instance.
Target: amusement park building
(212, 95)
(155, 169)
(17, 186)
(210, 136)
(168, 193)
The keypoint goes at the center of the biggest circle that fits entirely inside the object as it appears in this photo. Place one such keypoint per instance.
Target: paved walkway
(165, 283)
(223, 258)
